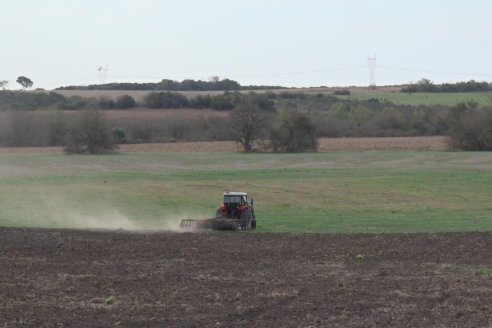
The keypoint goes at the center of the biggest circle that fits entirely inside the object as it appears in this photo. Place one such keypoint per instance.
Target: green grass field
(327, 192)
(415, 99)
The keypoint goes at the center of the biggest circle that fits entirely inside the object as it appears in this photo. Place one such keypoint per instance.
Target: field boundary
(436, 143)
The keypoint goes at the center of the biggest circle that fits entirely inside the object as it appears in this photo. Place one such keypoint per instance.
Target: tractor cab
(235, 203)
(235, 199)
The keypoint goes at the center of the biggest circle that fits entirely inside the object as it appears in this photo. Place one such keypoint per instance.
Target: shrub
(341, 110)
(201, 101)
(125, 102)
(470, 128)
(390, 119)
(89, 134)
(105, 103)
(222, 102)
(77, 102)
(152, 100)
(293, 132)
(118, 135)
(262, 101)
(165, 100)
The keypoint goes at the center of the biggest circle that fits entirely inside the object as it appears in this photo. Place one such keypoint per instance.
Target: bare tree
(4, 84)
(248, 124)
(89, 134)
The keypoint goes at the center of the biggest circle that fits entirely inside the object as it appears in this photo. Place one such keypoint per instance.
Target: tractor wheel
(253, 224)
(246, 219)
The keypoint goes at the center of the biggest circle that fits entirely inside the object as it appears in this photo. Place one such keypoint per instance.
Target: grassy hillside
(330, 192)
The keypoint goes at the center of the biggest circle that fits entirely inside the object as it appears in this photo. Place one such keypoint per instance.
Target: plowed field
(69, 278)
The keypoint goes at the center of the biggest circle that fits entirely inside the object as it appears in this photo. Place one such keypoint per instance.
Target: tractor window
(232, 199)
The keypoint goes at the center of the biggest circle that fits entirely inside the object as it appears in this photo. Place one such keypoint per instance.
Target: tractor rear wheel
(246, 219)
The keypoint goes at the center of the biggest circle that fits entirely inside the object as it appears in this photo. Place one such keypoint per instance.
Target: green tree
(391, 119)
(361, 115)
(25, 82)
(342, 110)
(293, 133)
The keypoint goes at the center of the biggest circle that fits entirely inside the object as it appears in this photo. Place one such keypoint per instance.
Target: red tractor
(236, 213)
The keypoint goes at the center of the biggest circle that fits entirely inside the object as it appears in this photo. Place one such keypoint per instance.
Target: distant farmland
(429, 99)
(390, 94)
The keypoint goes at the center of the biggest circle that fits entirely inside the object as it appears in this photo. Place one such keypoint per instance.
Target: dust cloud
(59, 212)
(106, 219)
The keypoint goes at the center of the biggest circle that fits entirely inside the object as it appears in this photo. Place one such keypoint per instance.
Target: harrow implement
(214, 224)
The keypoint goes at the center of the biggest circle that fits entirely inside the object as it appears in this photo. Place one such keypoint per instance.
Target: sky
(290, 43)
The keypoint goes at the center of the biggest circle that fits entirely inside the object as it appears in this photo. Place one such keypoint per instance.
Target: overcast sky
(279, 42)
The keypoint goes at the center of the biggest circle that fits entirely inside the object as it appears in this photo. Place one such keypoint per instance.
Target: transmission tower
(103, 73)
(371, 64)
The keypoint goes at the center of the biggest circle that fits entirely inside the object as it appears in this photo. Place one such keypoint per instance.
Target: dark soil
(67, 278)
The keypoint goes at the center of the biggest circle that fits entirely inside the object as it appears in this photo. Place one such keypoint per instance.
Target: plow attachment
(194, 224)
(214, 224)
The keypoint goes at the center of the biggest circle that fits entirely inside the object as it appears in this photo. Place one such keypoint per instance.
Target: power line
(371, 66)
(324, 70)
(433, 71)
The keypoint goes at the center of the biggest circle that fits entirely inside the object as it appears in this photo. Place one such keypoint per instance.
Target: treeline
(22, 125)
(29, 101)
(426, 85)
(171, 85)
(20, 100)
(357, 119)
(55, 128)
(466, 124)
(226, 101)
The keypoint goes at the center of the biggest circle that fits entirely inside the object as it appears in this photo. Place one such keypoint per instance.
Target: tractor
(236, 213)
